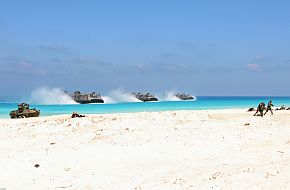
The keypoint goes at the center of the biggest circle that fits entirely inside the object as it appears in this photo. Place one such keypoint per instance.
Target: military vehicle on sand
(24, 111)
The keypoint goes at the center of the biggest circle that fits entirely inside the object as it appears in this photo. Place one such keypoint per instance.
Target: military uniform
(260, 109)
(269, 107)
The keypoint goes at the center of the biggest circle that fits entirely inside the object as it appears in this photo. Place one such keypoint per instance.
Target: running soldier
(269, 107)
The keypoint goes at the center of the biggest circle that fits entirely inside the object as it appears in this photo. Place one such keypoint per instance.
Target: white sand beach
(214, 149)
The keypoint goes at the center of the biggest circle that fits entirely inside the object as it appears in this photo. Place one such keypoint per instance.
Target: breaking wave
(49, 96)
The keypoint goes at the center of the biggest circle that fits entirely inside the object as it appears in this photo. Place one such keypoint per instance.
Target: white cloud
(253, 67)
(261, 58)
(258, 57)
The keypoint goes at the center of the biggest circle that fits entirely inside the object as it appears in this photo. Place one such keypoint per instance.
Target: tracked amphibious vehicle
(24, 111)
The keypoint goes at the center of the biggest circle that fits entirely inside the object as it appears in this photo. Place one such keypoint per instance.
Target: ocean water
(201, 103)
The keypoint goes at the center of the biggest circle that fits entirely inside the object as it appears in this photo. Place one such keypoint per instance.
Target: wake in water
(170, 96)
(47, 96)
(119, 95)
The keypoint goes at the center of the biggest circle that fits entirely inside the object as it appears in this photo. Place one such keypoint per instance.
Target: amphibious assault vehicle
(145, 97)
(24, 111)
(85, 98)
(183, 96)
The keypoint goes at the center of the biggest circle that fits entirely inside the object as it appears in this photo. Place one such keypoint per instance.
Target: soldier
(269, 107)
(260, 109)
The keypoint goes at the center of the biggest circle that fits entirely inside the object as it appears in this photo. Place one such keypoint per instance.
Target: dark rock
(251, 109)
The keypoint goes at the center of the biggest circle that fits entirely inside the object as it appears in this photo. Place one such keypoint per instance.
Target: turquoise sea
(201, 103)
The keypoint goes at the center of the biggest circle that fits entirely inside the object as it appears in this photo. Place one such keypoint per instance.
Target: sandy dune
(215, 149)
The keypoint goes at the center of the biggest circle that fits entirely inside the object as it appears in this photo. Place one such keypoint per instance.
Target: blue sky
(203, 47)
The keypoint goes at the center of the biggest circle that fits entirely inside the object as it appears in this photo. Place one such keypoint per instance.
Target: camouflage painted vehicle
(183, 96)
(145, 97)
(24, 111)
